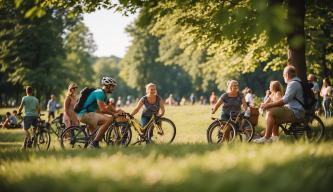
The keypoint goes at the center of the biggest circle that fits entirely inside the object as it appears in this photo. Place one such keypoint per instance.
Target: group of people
(98, 112)
(279, 107)
(10, 120)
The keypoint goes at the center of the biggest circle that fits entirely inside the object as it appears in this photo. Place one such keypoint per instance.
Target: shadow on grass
(11, 136)
(304, 174)
(173, 150)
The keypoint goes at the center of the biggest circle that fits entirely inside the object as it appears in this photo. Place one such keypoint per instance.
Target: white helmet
(108, 81)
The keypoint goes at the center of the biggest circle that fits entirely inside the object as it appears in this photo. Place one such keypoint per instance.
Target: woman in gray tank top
(153, 105)
(232, 101)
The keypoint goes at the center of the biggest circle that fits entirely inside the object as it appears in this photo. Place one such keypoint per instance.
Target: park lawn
(187, 164)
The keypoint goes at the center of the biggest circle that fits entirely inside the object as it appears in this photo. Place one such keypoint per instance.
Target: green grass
(189, 164)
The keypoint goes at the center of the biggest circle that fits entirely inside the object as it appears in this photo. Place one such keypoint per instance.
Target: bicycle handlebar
(126, 115)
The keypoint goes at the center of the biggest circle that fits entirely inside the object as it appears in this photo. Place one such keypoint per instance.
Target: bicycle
(311, 128)
(226, 131)
(159, 130)
(77, 136)
(41, 137)
(57, 126)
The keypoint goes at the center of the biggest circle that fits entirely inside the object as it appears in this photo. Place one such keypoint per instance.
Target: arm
(217, 105)
(104, 108)
(137, 108)
(244, 104)
(278, 103)
(21, 107)
(38, 108)
(268, 100)
(48, 106)
(322, 92)
(162, 109)
(66, 105)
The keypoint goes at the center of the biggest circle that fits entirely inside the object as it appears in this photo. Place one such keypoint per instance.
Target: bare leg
(275, 130)
(106, 122)
(270, 123)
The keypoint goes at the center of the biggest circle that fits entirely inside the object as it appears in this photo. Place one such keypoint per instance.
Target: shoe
(262, 140)
(72, 141)
(94, 145)
(274, 139)
(29, 144)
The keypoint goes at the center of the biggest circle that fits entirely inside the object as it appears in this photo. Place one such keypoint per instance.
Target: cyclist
(153, 105)
(285, 110)
(32, 110)
(96, 111)
(232, 101)
(70, 118)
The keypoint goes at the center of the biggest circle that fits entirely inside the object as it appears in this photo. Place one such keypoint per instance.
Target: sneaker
(274, 139)
(262, 140)
(29, 144)
(94, 145)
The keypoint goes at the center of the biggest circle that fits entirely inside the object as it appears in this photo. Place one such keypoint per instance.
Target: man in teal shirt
(97, 113)
(31, 113)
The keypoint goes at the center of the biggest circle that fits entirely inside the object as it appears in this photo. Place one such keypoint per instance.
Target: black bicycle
(41, 138)
(57, 126)
(310, 128)
(226, 131)
(76, 137)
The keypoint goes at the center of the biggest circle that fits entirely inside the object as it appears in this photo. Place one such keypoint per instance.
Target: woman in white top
(326, 93)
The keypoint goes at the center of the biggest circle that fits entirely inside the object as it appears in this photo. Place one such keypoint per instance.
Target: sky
(108, 29)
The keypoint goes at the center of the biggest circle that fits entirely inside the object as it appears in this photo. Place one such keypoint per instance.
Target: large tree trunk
(296, 52)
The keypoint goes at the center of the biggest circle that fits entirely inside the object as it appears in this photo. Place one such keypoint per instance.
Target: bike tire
(315, 129)
(246, 128)
(42, 140)
(218, 126)
(163, 132)
(74, 137)
(124, 139)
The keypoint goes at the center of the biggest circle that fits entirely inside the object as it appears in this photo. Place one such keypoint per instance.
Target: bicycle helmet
(108, 81)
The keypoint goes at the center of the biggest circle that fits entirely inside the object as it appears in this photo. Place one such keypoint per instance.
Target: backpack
(308, 95)
(85, 92)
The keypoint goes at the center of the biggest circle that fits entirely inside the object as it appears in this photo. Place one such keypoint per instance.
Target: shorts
(283, 115)
(51, 113)
(93, 118)
(30, 120)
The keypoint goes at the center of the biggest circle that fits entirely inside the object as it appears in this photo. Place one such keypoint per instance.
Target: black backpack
(85, 92)
(308, 95)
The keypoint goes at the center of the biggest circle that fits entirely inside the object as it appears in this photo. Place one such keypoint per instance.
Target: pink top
(70, 117)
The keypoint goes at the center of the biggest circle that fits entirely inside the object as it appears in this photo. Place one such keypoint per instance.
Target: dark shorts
(51, 113)
(29, 120)
(225, 116)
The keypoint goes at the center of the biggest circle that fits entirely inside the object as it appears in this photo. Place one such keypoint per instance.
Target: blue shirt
(294, 90)
(90, 105)
(52, 105)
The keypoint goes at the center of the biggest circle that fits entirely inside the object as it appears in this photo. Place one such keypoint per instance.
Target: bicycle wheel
(315, 128)
(42, 140)
(119, 135)
(221, 131)
(163, 132)
(74, 137)
(245, 130)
